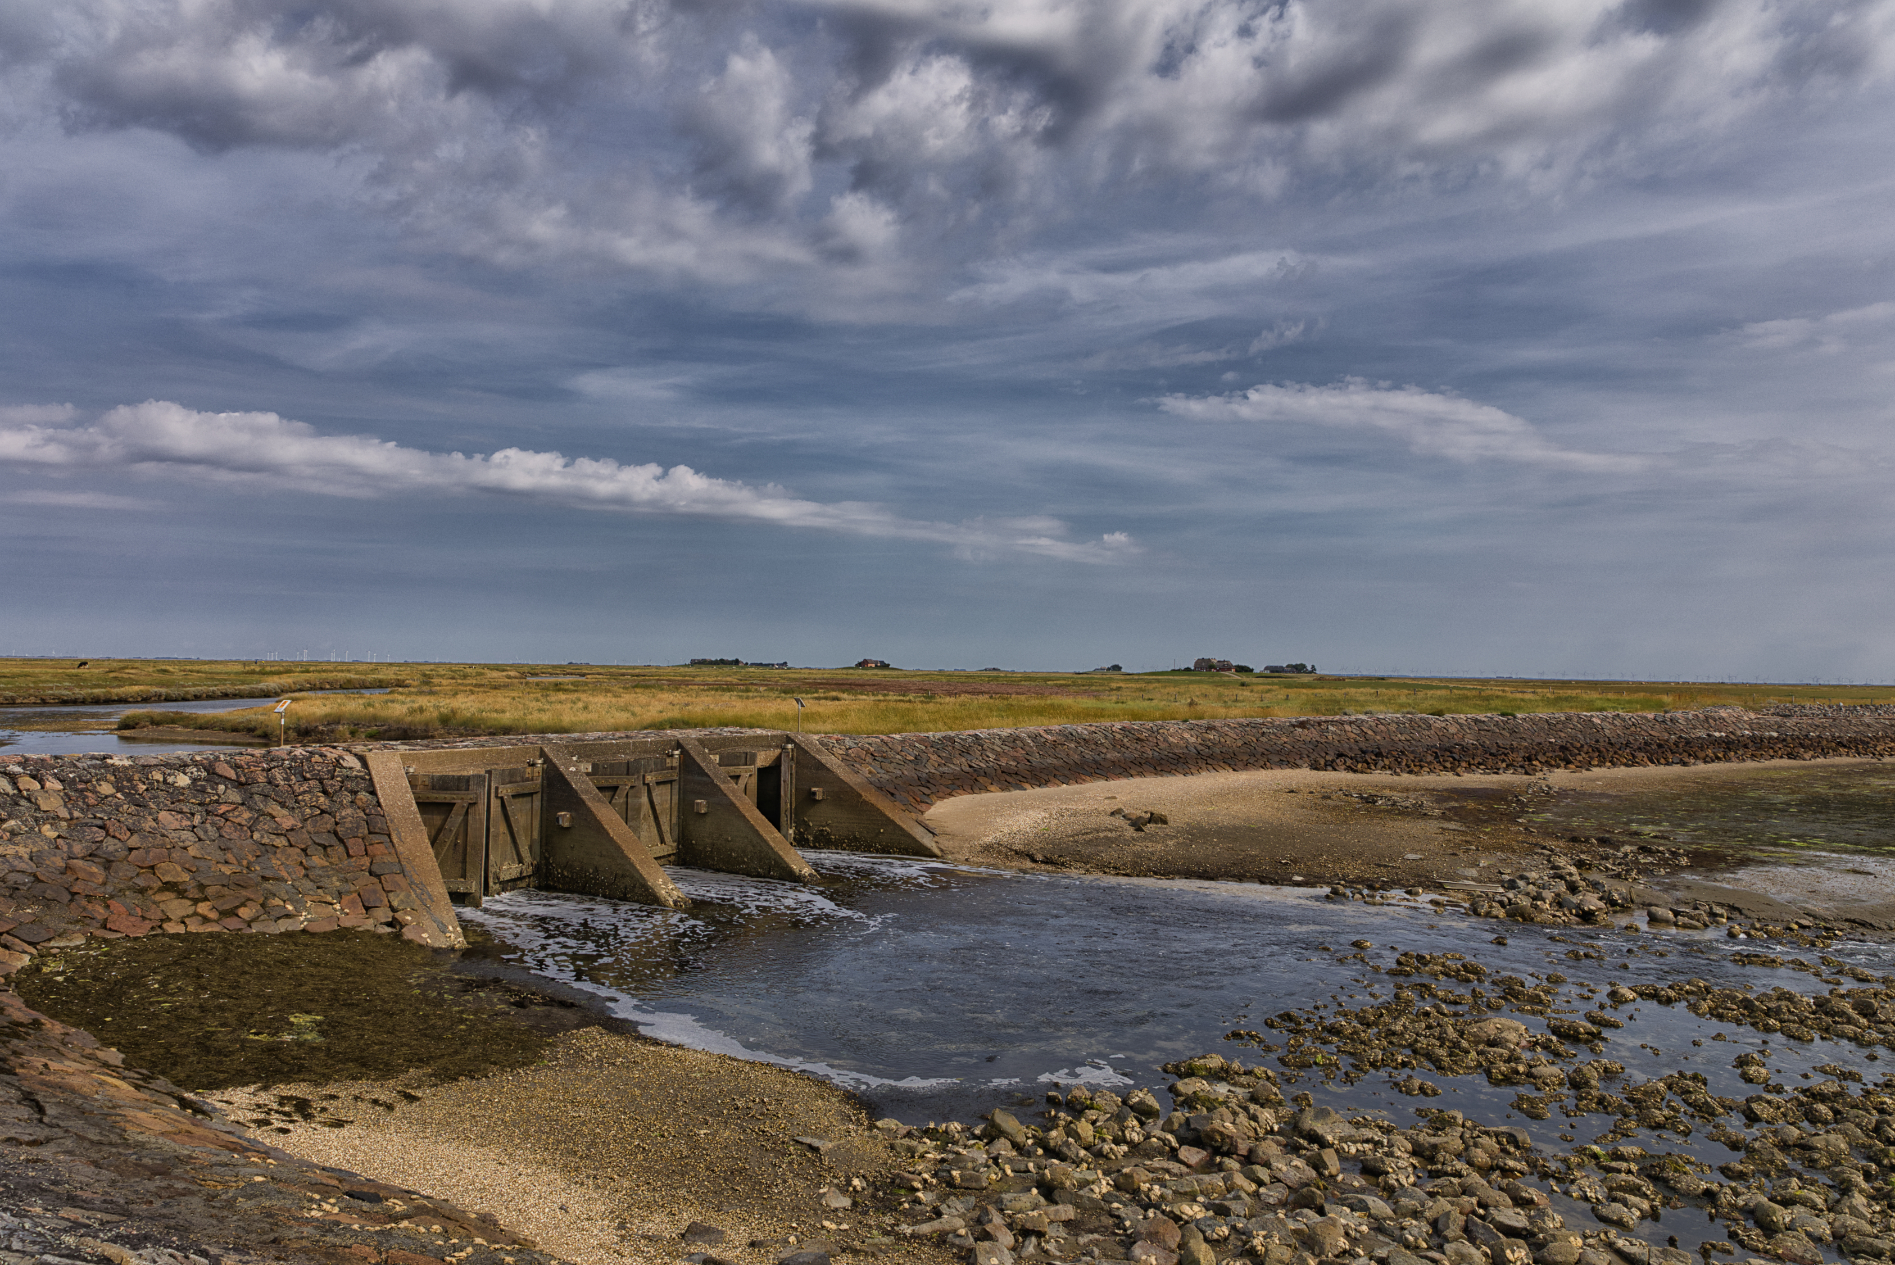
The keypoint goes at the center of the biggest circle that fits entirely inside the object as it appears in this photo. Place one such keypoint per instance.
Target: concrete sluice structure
(601, 818)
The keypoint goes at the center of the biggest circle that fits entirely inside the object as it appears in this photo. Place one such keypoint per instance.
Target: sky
(1475, 337)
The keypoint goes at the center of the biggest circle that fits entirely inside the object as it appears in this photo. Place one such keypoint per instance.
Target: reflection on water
(1833, 807)
(936, 991)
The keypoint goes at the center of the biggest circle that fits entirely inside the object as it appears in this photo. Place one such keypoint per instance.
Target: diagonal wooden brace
(835, 808)
(436, 925)
(597, 854)
(722, 830)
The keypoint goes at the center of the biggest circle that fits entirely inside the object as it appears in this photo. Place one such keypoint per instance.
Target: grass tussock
(455, 700)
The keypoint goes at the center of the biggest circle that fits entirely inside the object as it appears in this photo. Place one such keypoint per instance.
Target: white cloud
(627, 385)
(1155, 355)
(1126, 273)
(1827, 334)
(160, 437)
(1281, 334)
(1429, 423)
(754, 146)
(60, 499)
(1152, 354)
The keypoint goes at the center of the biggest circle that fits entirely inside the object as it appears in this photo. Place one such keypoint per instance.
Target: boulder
(1496, 1030)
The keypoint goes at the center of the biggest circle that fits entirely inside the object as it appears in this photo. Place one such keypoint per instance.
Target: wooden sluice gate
(603, 818)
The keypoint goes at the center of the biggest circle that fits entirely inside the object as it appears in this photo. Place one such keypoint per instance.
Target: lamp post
(282, 724)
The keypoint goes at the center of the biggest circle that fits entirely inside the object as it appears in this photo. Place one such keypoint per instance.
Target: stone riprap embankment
(116, 846)
(917, 770)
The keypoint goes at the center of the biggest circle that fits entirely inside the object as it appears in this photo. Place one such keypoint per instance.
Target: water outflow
(940, 992)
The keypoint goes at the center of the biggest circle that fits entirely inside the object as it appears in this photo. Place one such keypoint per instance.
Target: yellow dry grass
(427, 700)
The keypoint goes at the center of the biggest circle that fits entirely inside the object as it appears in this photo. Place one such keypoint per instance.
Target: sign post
(282, 724)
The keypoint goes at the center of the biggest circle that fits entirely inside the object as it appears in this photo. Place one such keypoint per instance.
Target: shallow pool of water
(1829, 807)
(90, 729)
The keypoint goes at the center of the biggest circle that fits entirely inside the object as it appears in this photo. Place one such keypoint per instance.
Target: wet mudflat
(941, 993)
(1832, 806)
(211, 1011)
(1715, 1062)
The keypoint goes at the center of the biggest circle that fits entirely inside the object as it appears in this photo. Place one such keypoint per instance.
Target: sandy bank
(605, 1152)
(1298, 825)
(1273, 826)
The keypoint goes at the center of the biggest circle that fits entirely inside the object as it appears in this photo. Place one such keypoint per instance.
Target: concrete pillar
(718, 829)
(586, 847)
(435, 924)
(835, 808)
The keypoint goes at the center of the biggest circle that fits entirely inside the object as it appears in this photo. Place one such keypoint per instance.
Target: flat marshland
(431, 700)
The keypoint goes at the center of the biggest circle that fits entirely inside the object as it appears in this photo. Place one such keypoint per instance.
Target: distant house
(1213, 665)
(873, 663)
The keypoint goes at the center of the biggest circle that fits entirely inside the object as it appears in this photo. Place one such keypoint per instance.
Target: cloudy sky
(1548, 337)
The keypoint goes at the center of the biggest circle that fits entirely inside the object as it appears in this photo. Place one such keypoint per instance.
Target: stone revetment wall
(917, 770)
(267, 841)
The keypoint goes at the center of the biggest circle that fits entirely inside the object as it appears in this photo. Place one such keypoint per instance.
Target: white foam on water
(916, 871)
(1093, 1073)
(685, 1030)
(758, 895)
(545, 922)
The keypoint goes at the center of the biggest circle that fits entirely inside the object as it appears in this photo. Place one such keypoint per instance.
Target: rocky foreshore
(1232, 1172)
(1220, 1167)
(108, 1165)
